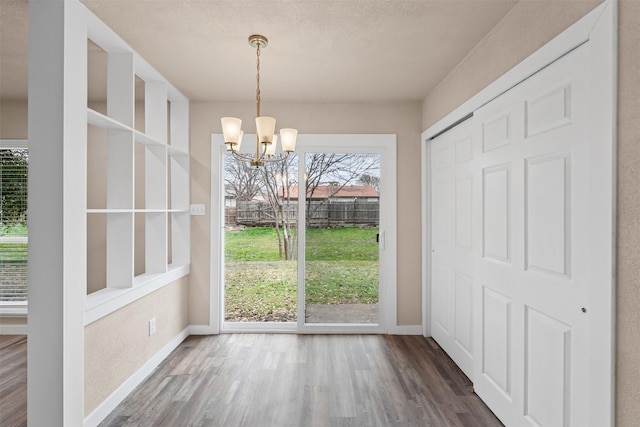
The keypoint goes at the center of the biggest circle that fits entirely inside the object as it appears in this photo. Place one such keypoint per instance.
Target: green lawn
(341, 267)
(13, 262)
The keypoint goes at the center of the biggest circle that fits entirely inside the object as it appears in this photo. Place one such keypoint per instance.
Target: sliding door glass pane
(341, 249)
(261, 241)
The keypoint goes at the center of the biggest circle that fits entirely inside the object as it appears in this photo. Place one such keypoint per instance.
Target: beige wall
(117, 345)
(527, 27)
(13, 321)
(628, 233)
(402, 119)
(13, 119)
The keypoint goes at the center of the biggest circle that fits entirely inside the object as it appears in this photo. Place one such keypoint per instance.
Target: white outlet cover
(196, 209)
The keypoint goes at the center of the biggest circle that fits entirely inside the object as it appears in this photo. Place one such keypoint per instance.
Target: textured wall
(628, 250)
(402, 119)
(528, 26)
(117, 345)
(13, 119)
(13, 321)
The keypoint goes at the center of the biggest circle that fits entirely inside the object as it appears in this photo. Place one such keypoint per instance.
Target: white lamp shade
(239, 141)
(288, 138)
(266, 126)
(231, 129)
(271, 148)
(235, 146)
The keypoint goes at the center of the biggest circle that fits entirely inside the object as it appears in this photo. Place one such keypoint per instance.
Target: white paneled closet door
(533, 266)
(452, 258)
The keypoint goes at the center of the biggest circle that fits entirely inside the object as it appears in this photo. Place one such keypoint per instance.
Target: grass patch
(14, 230)
(328, 244)
(13, 252)
(343, 282)
(341, 268)
(251, 244)
(260, 291)
(342, 244)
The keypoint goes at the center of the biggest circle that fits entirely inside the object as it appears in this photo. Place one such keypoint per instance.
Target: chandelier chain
(258, 80)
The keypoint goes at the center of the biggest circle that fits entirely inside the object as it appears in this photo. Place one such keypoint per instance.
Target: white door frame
(384, 144)
(599, 29)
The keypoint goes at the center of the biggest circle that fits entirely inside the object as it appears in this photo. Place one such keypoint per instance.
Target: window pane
(13, 224)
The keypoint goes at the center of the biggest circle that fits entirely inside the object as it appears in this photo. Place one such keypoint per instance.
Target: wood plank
(13, 380)
(289, 380)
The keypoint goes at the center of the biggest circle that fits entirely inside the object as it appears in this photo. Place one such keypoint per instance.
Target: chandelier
(266, 141)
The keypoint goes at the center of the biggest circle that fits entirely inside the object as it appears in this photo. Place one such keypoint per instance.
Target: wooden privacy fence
(319, 213)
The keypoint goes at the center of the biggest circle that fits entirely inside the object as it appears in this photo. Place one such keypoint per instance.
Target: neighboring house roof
(334, 192)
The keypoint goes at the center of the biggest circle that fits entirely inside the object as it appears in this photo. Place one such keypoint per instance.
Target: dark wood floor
(288, 380)
(13, 380)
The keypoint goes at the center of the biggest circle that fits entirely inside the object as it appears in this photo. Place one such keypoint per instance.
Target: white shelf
(146, 140)
(156, 172)
(176, 152)
(109, 211)
(100, 120)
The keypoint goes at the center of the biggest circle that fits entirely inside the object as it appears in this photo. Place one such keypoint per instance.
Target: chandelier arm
(241, 156)
(274, 159)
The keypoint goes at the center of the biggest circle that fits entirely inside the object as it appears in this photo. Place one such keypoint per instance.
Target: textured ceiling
(320, 51)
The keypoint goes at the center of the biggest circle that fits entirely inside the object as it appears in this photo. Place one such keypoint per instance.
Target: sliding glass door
(303, 241)
(342, 212)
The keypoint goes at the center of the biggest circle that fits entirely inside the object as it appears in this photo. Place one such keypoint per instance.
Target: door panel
(541, 157)
(341, 280)
(548, 191)
(533, 332)
(452, 244)
(547, 370)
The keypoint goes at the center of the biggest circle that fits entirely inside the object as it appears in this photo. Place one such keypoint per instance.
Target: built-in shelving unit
(138, 176)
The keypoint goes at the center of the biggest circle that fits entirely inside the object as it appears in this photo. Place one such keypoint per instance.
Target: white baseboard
(406, 330)
(13, 329)
(202, 330)
(110, 403)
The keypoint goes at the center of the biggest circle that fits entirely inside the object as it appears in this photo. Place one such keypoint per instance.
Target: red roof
(334, 192)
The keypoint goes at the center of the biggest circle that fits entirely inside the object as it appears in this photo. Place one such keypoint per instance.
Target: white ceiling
(320, 51)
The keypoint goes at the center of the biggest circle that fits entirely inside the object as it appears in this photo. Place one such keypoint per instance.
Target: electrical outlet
(152, 326)
(196, 209)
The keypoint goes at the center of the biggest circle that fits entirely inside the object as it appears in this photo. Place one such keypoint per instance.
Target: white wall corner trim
(425, 179)
(111, 402)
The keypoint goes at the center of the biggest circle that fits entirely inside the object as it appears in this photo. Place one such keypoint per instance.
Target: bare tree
(336, 170)
(275, 181)
(241, 180)
(278, 179)
(371, 180)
